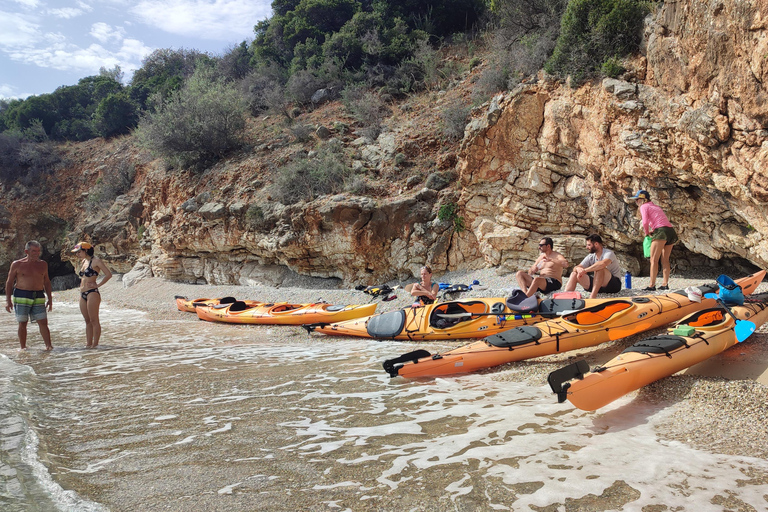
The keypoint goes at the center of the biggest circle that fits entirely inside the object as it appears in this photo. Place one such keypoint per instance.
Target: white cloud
(65, 13)
(104, 32)
(28, 3)
(222, 20)
(17, 30)
(84, 6)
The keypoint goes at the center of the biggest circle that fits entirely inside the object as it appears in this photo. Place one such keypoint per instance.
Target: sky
(45, 44)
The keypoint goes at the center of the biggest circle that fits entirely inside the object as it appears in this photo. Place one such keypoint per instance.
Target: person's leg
(88, 326)
(23, 334)
(45, 333)
(524, 280)
(538, 283)
(657, 248)
(599, 280)
(94, 301)
(570, 286)
(666, 268)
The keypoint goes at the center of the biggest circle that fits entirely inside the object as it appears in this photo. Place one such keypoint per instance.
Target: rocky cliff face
(686, 122)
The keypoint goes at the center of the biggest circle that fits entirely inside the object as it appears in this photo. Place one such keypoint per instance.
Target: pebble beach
(719, 405)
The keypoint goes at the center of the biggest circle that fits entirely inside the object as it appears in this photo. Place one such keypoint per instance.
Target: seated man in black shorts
(549, 266)
(599, 271)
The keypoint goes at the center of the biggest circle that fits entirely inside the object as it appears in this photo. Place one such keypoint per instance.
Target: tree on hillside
(115, 115)
(594, 31)
(304, 33)
(164, 72)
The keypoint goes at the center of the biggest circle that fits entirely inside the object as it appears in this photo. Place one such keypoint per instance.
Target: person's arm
(644, 218)
(9, 287)
(562, 261)
(48, 288)
(435, 290)
(580, 269)
(535, 267)
(101, 267)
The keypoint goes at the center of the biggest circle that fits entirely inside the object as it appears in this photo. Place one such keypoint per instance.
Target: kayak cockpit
(598, 314)
(449, 314)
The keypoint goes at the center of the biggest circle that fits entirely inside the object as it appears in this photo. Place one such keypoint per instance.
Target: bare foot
(48, 348)
(88, 346)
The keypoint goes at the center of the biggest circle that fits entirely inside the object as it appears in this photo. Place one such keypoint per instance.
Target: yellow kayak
(282, 313)
(470, 318)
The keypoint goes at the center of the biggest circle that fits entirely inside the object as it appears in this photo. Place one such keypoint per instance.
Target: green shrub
(612, 67)
(591, 31)
(28, 155)
(450, 212)
(367, 108)
(453, 119)
(198, 124)
(301, 132)
(113, 182)
(306, 178)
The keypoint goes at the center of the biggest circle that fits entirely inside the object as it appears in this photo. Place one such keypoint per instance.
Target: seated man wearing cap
(599, 272)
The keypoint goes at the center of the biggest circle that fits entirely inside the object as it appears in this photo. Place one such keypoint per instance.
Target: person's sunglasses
(543, 245)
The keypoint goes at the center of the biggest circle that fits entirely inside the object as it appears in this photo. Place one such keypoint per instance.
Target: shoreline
(719, 405)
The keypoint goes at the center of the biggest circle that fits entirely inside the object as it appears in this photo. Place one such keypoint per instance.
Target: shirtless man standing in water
(549, 266)
(25, 292)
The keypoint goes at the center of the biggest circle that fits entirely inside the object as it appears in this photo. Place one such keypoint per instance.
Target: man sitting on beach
(599, 272)
(549, 266)
(25, 291)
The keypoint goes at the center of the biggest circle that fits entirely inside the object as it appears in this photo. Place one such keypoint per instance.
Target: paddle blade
(744, 329)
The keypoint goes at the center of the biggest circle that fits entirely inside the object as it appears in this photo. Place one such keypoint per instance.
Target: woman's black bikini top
(89, 272)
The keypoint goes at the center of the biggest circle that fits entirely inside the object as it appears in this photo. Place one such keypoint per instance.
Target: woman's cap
(82, 245)
(642, 194)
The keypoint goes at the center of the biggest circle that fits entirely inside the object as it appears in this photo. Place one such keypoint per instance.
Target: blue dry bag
(730, 292)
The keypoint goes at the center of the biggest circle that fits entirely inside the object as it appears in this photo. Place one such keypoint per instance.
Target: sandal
(663, 287)
(649, 289)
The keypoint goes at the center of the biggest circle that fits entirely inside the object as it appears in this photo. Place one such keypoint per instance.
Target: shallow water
(188, 415)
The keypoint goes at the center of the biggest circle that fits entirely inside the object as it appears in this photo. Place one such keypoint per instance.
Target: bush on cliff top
(593, 31)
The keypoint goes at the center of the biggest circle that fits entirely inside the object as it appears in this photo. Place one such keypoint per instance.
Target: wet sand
(719, 405)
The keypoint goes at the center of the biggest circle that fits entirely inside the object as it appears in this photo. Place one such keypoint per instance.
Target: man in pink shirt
(656, 224)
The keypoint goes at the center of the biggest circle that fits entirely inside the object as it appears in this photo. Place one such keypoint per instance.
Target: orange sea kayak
(695, 338)
(282, 313)
(610, 320)
(470, 318)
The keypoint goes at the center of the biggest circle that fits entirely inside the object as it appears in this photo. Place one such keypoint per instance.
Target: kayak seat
(705, 317)
(515, 337)
(238, 305)
(227, 300)
(336, 307)
(658, 345)
(554, 306)
(521, 303)
(599, 313)
(386, 325)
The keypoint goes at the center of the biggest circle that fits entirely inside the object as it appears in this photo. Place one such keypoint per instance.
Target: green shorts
(665, 233)
(29, 305)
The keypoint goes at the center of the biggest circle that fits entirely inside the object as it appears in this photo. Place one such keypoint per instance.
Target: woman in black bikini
(90, 299)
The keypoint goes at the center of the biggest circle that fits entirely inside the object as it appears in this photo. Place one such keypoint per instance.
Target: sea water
(189, 415)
